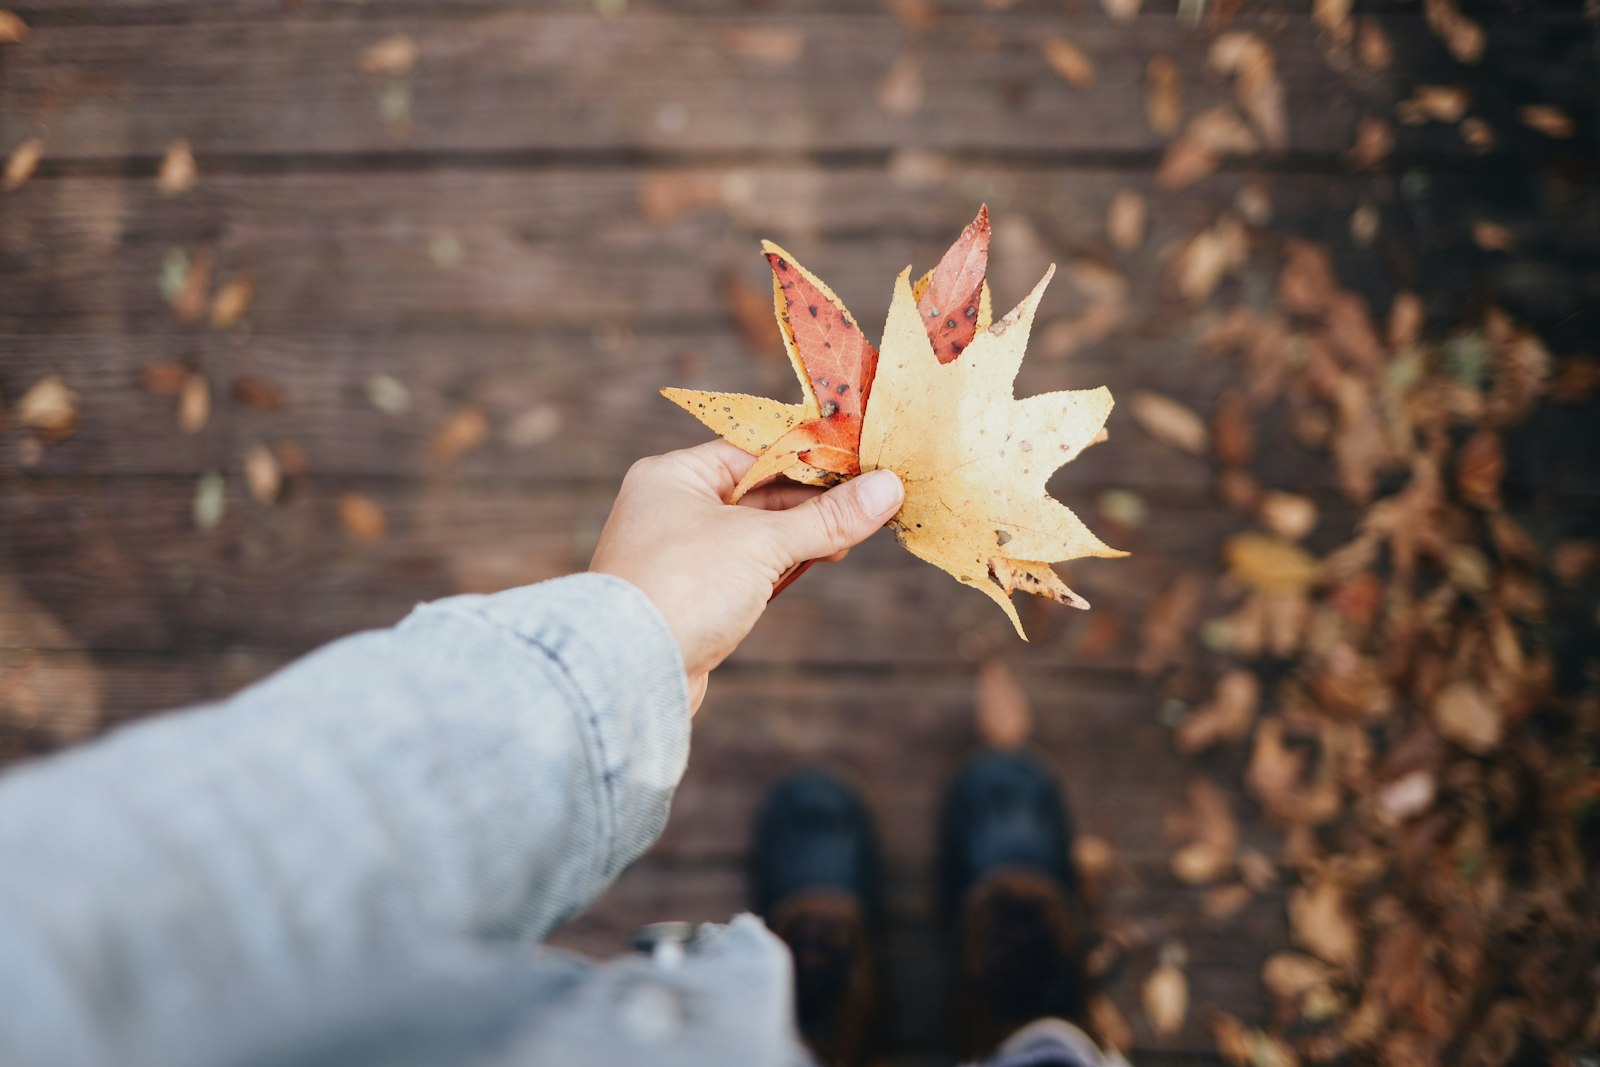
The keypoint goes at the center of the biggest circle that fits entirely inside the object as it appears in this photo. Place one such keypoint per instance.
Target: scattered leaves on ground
(49, 407)
(21, 163)
(1069, 61)
(178, 172)
(362, 520)
(1004, 720)
(465, 429)
(393, 55)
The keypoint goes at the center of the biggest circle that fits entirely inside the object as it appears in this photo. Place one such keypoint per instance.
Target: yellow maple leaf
(975, 460)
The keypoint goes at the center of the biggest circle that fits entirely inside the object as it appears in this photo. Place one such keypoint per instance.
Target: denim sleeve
(484, 769)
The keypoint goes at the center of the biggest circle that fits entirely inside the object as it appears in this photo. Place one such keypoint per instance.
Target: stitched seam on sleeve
(589, 725)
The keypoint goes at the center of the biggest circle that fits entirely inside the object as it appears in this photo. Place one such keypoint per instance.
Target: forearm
(485, 768)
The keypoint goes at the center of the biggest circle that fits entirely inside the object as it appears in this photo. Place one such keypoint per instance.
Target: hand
(709, 566)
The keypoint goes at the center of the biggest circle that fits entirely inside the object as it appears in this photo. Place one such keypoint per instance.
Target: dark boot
(1009, 887)
(819, 887)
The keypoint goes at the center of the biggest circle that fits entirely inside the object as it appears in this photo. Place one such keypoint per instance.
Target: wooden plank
(513, 249)
(516, 82)
(51, 698)
(593, 400)
(570, 248)
(900, 737)
(97, 12)
(126, 569)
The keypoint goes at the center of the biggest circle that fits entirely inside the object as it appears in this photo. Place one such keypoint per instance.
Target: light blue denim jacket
(349, 861)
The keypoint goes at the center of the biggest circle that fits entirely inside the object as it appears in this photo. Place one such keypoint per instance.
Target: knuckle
(642, 469)
(835, 517)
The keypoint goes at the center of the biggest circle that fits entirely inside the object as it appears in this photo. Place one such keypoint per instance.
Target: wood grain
(513, 81)
(127, 569)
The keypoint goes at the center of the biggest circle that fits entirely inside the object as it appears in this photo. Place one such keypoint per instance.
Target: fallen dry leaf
(669, 194)
(1464, 715)
(463, 431)
(178, 172)
(394, 55)
(21, 164)
(163, 377)
(1480, 466)
(1201, 863)
(296, 464)
(1438, 103)
(1331, 15)
(1290, 976)
(232, 301)
(1320, 920)
(1248, 59)
(535, 426)
(1004, 720)
(1572, 560)
(189, 301)
(1364, 223)
(769, 46)
(1492, 236)
(210, 501)
(1406, 797)
(1093, 858)
(900, 92)
(1270, 564)
(1173, 424)
(1549, 120)
(1407, 315)
(1226, 717)
(1125, 220)
(1163, 95)
(50, 407)
(362, 519)
(263, 474)
(1257, 871)
(1110, 1028)
(388, 394)
(1069, 61)
(1478, 135)
(1288, 515)
(1211, 136)
(917, 14)
(1232, 432)
(1223, 902)
(976, 511)
(1462, 36)
(1373, 143)
(1168, 623)
(257, 393)
(1373, 48)
(194, 404)
(1205, 259)
(12, 29)
(1166, 999)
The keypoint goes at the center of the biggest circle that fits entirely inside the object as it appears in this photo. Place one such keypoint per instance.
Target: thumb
(844, 516)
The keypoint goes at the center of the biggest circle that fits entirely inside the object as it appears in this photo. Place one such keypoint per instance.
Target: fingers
(779, 496)
(717, 465)
(843, 516)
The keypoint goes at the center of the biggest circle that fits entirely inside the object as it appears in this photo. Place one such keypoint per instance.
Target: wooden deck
(542, 219)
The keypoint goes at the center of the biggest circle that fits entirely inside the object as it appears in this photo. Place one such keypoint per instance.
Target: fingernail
(879, 491)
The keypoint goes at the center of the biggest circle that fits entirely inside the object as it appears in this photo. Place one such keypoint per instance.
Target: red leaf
(840, 363)
(949, 303)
